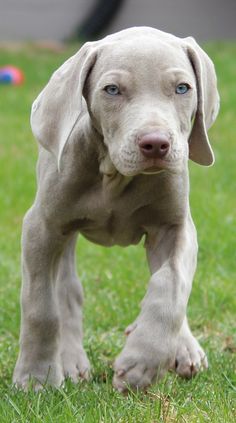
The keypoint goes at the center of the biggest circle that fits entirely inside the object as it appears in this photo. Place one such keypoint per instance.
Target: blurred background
(61, 20)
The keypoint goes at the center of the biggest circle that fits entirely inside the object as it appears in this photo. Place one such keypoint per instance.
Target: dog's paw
(190, 357)
(75, 364)
(37, 376)
(145, 358)
(132, 372)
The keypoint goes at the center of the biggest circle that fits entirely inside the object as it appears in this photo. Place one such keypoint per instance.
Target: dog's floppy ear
(58, 107)
(200, 150)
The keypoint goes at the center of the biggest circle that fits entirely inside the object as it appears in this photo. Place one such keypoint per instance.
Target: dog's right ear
(58, 107)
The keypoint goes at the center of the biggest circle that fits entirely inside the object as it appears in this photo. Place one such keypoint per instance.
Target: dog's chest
(121, 216)
(110, 225)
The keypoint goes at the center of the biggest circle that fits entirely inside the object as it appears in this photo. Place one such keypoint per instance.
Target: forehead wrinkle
(115, 74)
(179, 73)
(146, 58)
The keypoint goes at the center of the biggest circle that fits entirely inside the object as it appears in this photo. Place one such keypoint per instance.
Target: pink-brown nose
(154, 145)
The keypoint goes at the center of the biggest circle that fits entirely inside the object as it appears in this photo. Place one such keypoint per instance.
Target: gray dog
(116, 125)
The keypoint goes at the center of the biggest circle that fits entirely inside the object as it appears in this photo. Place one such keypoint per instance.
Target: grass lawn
(115, 279)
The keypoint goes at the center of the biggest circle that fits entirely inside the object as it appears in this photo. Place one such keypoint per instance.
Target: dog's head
(150, 95)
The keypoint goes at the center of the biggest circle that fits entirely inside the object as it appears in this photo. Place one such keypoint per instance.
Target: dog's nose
(154, 145)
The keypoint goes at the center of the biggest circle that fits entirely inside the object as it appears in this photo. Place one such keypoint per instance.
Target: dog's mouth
(155, 166)
(131, 167)
(152, 171)
(145, 168)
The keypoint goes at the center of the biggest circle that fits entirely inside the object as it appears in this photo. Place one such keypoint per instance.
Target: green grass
(115, 279)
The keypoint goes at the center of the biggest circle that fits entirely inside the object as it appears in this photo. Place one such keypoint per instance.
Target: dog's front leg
(70, 296)
(39, 341)
(152, 341)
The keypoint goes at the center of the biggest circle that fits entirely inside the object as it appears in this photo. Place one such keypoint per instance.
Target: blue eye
(112, 89)
(182, 88)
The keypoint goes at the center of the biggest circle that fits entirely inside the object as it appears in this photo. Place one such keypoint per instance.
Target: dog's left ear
(58, 107)
(200, 150)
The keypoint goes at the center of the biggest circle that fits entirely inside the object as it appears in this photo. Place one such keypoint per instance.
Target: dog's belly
(110, 232)
(107, 239)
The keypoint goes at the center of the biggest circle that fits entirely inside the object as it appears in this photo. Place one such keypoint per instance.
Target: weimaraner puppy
(116, 125)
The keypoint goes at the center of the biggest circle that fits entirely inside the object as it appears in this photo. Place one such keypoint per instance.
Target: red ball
(11, 75)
